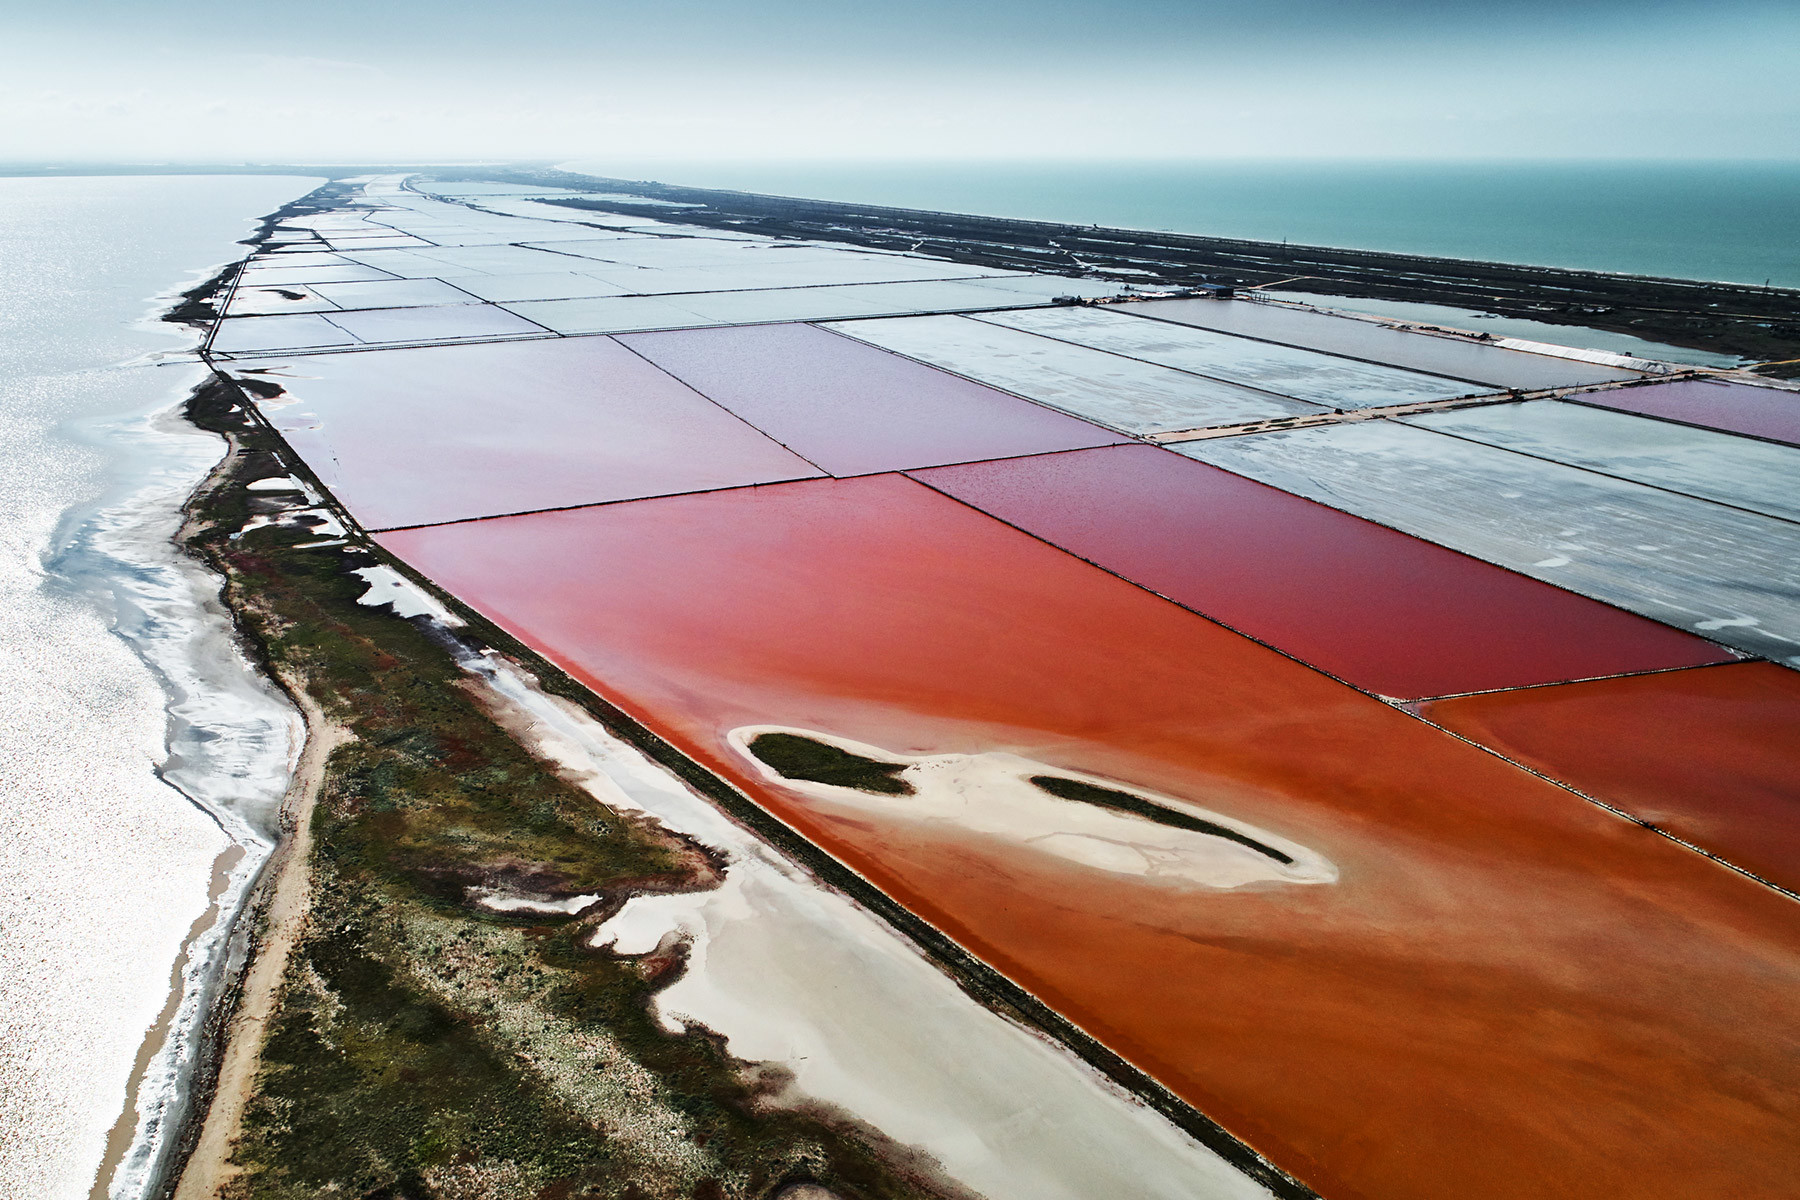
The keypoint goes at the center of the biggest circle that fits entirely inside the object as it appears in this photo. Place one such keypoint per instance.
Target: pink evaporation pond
(854, 409)
(425, 436)
(1733, 407)
(1382, 610)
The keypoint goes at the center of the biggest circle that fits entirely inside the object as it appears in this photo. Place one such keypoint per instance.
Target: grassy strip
(424, 1047)
(796, 757)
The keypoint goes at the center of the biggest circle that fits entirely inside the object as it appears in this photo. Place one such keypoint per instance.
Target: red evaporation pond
(1734, 407)
(1712, 756)
(852, 408)
(1508, 991)
(1387, 612)
(413, 437)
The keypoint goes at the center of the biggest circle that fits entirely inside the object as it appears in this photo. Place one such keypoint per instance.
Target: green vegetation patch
(796, 757)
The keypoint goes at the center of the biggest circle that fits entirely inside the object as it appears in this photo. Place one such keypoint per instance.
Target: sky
(437, 80)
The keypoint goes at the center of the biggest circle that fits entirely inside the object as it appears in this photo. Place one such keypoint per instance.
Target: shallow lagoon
(112, 657)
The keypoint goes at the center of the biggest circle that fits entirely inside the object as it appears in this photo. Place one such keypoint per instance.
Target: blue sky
(940, 79)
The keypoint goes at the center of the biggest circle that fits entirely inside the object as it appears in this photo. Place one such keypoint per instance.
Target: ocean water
(141, 760)
(1733, 221)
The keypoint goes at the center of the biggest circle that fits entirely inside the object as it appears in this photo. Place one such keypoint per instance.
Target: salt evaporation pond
(1388, 613)
(140, 761)
(798, 975)
(1498, 965)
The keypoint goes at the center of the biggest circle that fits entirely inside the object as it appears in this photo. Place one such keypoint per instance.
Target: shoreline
(209, 970)
(242, 933)
(227, 746)
(120, 1141)
(139, 745)
(274, 917)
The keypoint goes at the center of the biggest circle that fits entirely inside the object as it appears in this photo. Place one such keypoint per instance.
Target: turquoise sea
(1736, 221)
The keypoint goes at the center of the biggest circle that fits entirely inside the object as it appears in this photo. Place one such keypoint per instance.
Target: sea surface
(142, 762)
(1732, 221)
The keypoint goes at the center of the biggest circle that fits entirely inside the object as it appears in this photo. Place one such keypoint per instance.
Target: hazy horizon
(590, 165)
(802, 80)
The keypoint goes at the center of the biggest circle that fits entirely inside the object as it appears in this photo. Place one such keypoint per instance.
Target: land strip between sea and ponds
(1760, 324)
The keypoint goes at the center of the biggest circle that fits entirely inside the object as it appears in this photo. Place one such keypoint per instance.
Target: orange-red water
(1394, 614)
(1711, 755)
(1508, 993)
